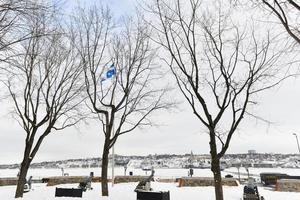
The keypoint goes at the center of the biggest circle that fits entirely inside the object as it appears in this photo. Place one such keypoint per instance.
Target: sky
(180, 132)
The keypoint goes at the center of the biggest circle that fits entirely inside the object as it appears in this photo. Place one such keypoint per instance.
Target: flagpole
(113, 161)
(113, 147)
(109, 74)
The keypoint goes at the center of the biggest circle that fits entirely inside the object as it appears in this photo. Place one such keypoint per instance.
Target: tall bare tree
(13, 15)
(288, 13)
(126, 100)
(218, 68)
(44, 85)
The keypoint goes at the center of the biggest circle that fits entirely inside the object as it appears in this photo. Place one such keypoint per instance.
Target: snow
(124, 191)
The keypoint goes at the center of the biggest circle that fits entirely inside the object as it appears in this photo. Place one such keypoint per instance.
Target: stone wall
(167, 180)
(51, 181)
(204, 181)
(184, 181)
(8, 181)
(127, 179)
(288, 185)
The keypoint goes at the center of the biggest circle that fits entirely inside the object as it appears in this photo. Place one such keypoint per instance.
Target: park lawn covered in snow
(125, 191)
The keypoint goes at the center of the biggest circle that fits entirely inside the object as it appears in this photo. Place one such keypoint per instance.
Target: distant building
(251, 152)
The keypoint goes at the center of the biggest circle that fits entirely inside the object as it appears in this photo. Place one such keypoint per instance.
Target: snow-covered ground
(125, 191)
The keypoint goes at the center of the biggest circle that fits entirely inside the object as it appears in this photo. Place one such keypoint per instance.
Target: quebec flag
(110, 72)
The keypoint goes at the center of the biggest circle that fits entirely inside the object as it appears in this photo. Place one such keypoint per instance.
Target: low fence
(51, 181)
(184, 181)
(204, 181)
(288, 185)
(8, 181)
(127, 179)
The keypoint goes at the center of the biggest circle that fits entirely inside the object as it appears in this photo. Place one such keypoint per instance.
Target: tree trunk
(22, 176)
(104, 184)
(215, 167)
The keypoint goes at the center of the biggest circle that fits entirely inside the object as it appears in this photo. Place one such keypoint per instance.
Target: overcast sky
(180, 134)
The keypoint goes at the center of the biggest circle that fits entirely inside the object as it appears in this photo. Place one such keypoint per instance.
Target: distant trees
(219, 67)
(44, 85)
(124, 99)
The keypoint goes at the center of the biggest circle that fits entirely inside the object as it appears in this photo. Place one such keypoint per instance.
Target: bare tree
(288, 13)
(218, 68)
(13, 15)
(125, 101)
(44, 85)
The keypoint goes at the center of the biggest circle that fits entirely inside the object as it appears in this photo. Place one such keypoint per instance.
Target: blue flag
(110, 72)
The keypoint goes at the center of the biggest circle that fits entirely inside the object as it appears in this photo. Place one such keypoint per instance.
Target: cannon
(145, 192)
(251, 191)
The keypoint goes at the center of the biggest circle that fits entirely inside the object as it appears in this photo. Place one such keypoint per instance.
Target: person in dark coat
(191, 172)
(29, 181)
